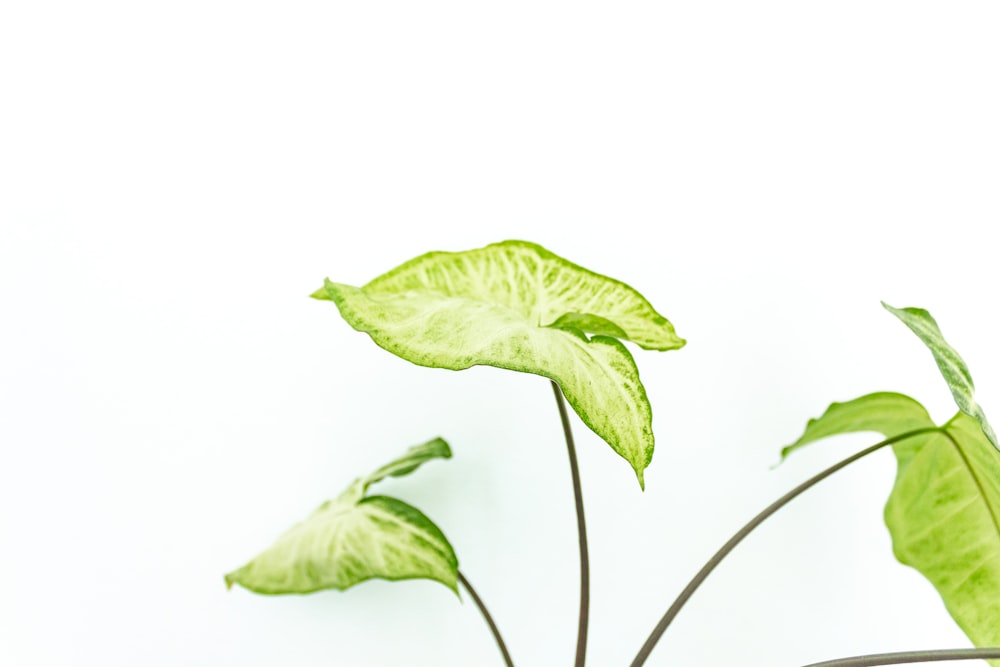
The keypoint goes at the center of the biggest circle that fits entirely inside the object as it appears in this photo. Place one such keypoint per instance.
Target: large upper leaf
(354, 538)
(517, 306)
(952, 367)
(944, 517)
(944, 509)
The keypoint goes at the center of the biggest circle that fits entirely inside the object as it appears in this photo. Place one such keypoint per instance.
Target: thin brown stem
(489, 619)
(689, 590)
(909, 657)
(581, 529)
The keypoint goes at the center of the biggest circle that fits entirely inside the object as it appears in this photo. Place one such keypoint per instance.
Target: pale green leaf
(884, 412)
(944, 517)
(944, 509)
(517, 306)
(951, 365)
(414, 457)
(354, 538)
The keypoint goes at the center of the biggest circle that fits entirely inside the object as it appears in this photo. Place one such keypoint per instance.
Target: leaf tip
(321, 293)
(910, 311)
(324, 293)
(444, 447)
(785, 451)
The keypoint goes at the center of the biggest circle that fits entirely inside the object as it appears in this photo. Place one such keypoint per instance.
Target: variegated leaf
(517, 306)
(951, 365)
(354, 538)
(944, 510)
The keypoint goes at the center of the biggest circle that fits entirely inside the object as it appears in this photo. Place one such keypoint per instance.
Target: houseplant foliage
(356, 537)
(944, 510)
(517, 306)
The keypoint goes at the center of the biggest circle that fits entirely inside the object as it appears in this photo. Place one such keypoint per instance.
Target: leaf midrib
(542, 300)
(979, 484)
(440, 294)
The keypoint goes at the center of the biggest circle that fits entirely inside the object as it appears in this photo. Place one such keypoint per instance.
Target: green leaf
(887, 413)
(951, 365)
(354, 538)
(517, 306)
(944, 517)
(581, 324)
(944, 510)
(414, 458)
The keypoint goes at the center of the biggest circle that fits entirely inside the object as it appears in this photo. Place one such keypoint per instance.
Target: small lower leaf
(414, 458)
(354, 538)
(341, 545)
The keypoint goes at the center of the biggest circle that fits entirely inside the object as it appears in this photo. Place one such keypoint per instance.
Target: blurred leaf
(414, 458)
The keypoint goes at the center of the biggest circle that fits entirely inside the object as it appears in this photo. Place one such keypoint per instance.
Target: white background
(176, 178)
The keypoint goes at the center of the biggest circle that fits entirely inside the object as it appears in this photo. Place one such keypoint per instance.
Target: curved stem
(489, 619)
(661, 627)
(581, 529)
(907, 657)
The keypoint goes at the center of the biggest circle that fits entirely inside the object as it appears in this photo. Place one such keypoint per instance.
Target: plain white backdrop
(176, 178)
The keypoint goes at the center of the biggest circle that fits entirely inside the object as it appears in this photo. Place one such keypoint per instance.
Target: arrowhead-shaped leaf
(944, 517)
(952, 367)
(517, 306)
(354, 538)
(944, 509)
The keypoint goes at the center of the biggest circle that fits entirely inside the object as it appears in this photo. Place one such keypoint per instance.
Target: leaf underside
(354, 538)
(944, 510)
(517, 306)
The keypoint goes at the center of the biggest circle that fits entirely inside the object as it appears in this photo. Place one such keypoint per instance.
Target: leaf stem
(486, 615)
(688, 591)
(907, 657)
(581, 528)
